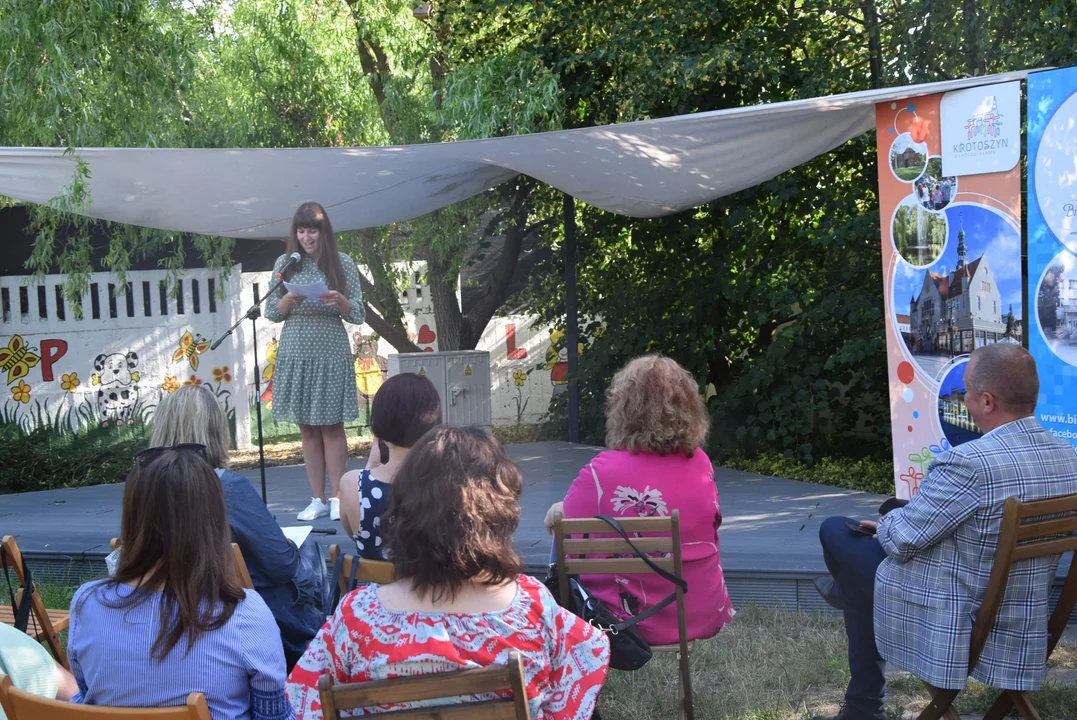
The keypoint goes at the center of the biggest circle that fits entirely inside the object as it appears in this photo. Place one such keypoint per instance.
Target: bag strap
(351, 575)
(20, 610)
(334, 582)
(679, 582)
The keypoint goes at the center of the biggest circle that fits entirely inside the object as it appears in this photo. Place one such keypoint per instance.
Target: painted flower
(519, 378)
(21, 392)
(192, 381)
(222, 374)
(170, 385)
(70, 382)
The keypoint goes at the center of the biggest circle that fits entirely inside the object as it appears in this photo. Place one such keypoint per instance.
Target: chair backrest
(1029, 530)
(378, 572)
(237, 555)
(241, 568)
(573, 541)
(37, 605)
(21, 705)
(491, 679)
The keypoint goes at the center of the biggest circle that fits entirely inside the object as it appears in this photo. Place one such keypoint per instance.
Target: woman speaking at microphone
(314, 379)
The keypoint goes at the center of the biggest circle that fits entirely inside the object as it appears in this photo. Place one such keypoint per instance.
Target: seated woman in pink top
(655, 424)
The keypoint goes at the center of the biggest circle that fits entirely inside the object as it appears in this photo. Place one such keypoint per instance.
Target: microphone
(293, 259)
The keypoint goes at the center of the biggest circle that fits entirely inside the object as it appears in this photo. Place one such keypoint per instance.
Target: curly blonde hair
(654, 406)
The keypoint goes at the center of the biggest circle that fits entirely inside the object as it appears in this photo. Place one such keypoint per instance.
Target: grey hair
(191, 415)
(1007, 371)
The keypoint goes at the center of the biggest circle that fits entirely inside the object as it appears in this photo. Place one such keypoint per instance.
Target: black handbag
(628, 649)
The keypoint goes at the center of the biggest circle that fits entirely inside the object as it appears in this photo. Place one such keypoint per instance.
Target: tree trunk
(871, 24)
(451, 326)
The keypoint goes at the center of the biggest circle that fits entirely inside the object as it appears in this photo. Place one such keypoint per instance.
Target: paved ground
(769, 524)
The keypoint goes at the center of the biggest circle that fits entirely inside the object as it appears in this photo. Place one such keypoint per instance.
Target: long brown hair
(453, 511)
(175, 535)
(327, 256)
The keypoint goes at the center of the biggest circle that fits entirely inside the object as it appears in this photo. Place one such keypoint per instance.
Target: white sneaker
(334, 508)
(315, 510)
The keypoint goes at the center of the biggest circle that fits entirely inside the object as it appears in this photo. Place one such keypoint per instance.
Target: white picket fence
(110, 363)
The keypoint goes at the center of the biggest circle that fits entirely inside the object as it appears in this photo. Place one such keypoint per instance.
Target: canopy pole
(571, 318)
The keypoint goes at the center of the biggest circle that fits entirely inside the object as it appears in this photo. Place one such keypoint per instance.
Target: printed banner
(1052, 245)
(951, 250)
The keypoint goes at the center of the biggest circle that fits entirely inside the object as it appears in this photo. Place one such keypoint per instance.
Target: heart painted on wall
(426, 335)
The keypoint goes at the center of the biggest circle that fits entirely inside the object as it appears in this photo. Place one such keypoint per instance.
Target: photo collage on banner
(1052, 246)
(950, 209)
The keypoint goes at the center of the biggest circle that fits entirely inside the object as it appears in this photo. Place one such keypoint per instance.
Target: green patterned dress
(314, 379)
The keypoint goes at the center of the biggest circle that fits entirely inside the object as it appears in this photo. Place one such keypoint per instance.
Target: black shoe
(828, 590)
(892, 504)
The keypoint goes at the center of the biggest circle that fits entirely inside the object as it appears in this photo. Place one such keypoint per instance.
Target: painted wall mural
(108, 366)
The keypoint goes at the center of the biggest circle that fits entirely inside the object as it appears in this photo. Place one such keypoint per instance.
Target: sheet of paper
(297, 533)
(310, 292)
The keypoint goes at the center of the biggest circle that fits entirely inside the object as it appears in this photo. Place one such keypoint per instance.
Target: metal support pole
(571, 318)
(258, 404)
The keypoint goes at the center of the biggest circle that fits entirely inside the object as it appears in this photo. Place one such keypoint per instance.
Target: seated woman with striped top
(174, 619)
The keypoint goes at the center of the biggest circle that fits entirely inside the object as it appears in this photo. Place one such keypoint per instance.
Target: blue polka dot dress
(374, 501)
(314, 378)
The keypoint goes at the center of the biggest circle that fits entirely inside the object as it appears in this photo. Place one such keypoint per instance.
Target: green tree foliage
(773, 296)
(276, 73)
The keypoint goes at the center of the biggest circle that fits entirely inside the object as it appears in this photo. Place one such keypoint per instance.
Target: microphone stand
(253, 314)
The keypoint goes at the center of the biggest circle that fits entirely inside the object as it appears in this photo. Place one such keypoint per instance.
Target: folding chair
(21, 705)
(378, 572)
(1029, 530)
(237, 555)
(572, 537)
(45, 625)
(494, 678)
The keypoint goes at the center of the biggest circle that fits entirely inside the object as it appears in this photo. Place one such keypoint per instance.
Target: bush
(874, 474)
(41, 459)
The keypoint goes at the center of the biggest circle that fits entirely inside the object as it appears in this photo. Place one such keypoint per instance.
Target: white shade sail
(643, 169)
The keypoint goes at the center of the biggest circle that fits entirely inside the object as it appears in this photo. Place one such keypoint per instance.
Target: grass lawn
(775, 665)
(909, 174)
(770, 665)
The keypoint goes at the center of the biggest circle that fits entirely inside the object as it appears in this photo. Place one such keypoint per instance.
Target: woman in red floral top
(460, 600)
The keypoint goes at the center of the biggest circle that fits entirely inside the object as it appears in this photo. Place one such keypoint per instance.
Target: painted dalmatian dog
(117, 393)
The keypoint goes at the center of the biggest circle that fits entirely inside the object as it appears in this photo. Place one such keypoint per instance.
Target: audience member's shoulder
(90, 589)
(253, 609)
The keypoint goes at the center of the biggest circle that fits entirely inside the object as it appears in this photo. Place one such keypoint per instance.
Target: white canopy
(642, 169)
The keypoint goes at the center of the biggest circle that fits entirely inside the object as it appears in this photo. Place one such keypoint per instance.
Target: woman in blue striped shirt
(174, 619)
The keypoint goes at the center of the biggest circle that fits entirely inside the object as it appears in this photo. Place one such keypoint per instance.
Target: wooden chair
(237, 555)
(1029, 530)
(572, 538)
(378, 572)
(490, 679)
(45, 624)
(21, 705)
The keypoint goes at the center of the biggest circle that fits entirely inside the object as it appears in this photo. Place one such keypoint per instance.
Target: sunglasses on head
(144, 456)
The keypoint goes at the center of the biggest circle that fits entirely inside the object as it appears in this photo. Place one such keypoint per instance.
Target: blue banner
(1052, 245)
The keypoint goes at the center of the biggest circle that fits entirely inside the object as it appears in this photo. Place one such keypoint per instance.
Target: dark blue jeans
(852, 560)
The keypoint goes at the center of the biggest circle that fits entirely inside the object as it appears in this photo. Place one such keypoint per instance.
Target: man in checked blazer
(911, 591)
